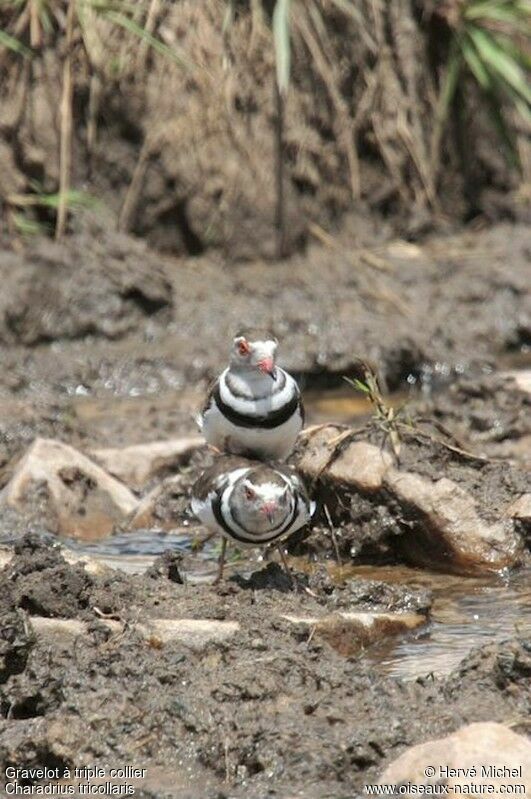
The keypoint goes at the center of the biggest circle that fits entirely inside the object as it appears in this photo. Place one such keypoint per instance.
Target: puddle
(466, 613)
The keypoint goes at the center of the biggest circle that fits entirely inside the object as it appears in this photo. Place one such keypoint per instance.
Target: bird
(250, 503)
(254, 408)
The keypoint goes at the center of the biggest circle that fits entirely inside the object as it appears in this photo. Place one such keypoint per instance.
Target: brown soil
(270, 711)
(106, 344)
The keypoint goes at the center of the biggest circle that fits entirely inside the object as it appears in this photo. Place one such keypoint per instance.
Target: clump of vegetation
(80, 29)
(260, 116)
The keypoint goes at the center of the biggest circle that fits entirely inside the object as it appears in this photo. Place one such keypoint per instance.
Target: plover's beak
(267, 367)
(269, 509)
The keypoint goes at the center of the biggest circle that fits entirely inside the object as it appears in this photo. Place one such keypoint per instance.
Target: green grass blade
(359, 385)
(508, 69)
(475, 64)
(281, 36)
(75, 199)
(453, 71)
(10, 43)
(156, 44)
(29, 227)
(513, 14)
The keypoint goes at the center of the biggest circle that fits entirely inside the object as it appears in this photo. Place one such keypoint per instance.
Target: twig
(66, 127)
(333, 534)
(135, 187)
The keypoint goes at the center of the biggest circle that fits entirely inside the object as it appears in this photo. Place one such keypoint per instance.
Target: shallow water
(466, 612)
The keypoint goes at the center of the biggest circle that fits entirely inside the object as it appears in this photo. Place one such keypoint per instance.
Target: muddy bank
(271, 708)
(183, 152)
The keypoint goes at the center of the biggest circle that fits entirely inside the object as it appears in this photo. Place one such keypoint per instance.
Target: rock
(360, 465)
(42, 742)
(137, 465)
(522, 378)
(451, 532)
(349, 631)
(520, 509)
(489, 754)
(441, 524)
(195, 633)
(57, 481)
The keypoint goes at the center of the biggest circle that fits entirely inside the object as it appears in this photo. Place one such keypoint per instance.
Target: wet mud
(106, 344)
(273, 708)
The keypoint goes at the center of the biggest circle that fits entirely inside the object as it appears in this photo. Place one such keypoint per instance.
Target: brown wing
(208, 399)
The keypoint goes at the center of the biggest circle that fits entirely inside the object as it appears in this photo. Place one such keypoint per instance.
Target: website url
(410, 789)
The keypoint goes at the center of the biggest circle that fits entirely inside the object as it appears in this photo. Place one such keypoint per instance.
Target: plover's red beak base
(269, 509)
(267, 367)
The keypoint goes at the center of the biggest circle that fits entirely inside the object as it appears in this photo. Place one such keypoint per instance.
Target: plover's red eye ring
(243, 347)
(249, 493)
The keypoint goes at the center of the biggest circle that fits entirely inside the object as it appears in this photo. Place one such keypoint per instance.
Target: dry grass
(360, 119)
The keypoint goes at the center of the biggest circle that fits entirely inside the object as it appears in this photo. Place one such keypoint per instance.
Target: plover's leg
(221, 561)
(285, 564)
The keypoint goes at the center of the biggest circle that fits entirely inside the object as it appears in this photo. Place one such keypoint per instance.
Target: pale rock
(520, 509)
(195, 633)
(360, 465)
(453, 533)
(349, 631)
(470, 748)
(137, 465)
(522, 378)
(84, 500)
(448, 530)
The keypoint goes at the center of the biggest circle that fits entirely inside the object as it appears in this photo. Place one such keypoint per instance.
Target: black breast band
(266, 421)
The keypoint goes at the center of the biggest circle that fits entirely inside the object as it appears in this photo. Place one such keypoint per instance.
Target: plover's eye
(249, 493)
(243, 347)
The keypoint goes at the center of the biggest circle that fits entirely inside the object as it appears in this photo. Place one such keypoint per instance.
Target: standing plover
(254, 408)
(252, 504)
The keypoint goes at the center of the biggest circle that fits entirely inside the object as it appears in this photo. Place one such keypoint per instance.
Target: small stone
(348, 631)
(479, 754)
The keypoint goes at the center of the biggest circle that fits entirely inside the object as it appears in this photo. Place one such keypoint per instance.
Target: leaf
(281, 38)
(512, 13)
(358, 384)
(449, 86)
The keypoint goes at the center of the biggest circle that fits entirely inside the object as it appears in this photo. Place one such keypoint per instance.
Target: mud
(107, 344)
(103, 329)
(270, 710)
